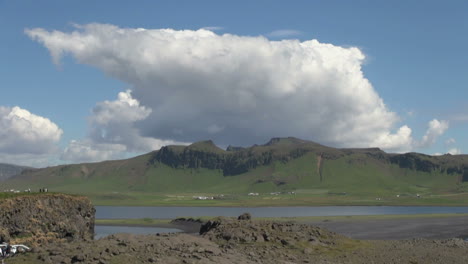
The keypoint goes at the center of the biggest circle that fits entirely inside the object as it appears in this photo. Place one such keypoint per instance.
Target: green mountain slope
(281, 165)
(9, 170)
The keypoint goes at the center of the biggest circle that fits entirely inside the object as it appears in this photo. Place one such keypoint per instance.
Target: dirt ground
(230, 240)
(379, 229)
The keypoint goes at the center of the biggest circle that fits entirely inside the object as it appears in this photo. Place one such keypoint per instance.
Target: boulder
(244, 216)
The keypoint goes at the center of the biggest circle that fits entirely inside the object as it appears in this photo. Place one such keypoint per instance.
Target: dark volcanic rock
(229, 241)
(284, 233)
(183, 220)
(189, 225)
(244, 216)
(42, 218)
(235, 160)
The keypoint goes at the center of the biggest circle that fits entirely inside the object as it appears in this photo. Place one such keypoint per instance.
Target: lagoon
(159, 212)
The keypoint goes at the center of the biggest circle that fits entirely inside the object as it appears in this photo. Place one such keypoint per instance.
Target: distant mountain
(282, 164)
(9, 170)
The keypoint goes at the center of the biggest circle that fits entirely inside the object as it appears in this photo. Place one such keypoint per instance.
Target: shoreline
(275, 206)
(185, 226)
(247, 205)
(369, 227)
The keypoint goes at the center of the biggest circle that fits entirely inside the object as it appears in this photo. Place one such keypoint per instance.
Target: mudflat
(389, 227)
(398, 228)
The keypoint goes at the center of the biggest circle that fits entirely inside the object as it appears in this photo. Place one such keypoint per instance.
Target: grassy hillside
(9, 170)
(302, 171)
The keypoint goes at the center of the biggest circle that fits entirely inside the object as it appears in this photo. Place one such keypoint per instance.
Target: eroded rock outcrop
(38, 219)
(245, 230)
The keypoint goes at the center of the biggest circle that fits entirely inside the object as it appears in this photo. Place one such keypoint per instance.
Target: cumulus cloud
(112, 122)
(112, 132)
(435, 129)
(193, 85)
(22, 132)
(454, 151)
(401, 141)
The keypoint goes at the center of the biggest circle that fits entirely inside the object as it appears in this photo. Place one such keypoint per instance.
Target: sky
(86, 81)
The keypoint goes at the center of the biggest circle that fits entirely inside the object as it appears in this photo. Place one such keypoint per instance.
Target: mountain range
(280, 165)
(9, 170)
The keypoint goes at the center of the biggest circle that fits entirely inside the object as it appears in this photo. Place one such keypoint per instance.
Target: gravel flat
(396, 229)
(427, 240)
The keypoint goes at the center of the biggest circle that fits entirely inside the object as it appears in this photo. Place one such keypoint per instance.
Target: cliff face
(238, 160)
(37, 219)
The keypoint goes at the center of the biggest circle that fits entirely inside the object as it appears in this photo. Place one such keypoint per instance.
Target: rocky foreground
(59, 229)
(243, 240)
(38, 219)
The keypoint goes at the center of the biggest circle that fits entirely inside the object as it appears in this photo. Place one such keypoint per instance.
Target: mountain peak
(205, 145)
(285, 141)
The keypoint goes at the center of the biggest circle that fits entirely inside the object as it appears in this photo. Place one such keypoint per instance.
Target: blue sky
(415, 60)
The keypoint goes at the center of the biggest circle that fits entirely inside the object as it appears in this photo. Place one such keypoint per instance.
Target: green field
(302, 172)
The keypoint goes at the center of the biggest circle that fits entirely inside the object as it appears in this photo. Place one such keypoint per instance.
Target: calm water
(114, 212)
(102, 231)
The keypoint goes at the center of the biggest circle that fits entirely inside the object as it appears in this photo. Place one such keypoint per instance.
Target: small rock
(244, 216)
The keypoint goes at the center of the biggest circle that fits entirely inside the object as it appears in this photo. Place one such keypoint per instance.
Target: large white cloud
(112, 133)
(193, 85)
(112, 123)
(24, 133)
(401, 141)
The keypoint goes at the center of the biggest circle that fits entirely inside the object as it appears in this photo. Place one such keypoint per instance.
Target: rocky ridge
(281, 165)
(238, 160)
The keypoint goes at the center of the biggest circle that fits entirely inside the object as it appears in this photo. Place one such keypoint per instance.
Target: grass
(300, 198)
(354, 179)
(6, 195)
